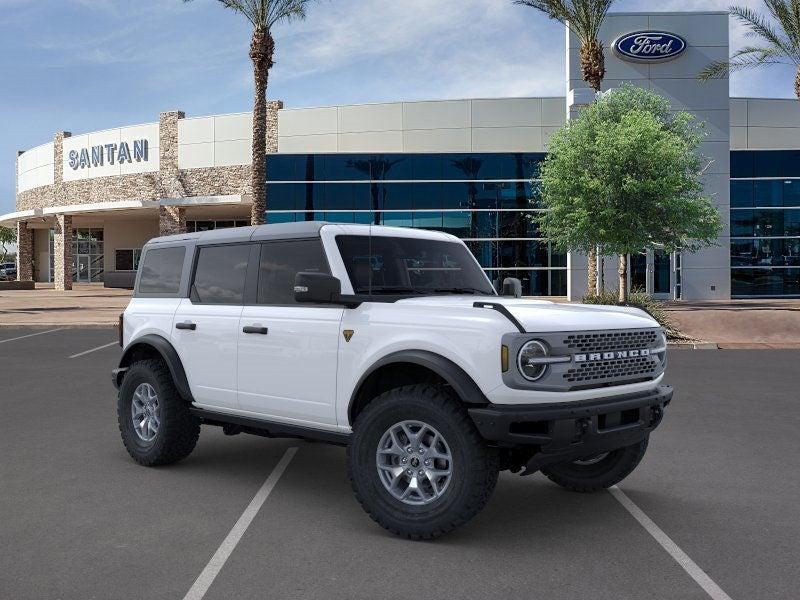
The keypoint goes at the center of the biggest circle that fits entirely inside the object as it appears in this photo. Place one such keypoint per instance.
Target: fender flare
(463, 385)
(170, 356)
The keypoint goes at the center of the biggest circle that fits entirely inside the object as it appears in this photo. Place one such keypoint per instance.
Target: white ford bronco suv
(391, 342)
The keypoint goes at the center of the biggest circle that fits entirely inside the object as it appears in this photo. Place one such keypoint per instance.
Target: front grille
(611, 340)
(618, 369)
(592, 358)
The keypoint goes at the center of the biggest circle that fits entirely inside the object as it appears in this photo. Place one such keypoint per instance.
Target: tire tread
(182, 428)
(485, 464)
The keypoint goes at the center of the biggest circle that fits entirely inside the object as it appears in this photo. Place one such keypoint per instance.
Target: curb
(693, 345)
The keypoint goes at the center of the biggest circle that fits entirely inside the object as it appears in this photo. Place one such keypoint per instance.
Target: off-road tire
(595, 477)
(475, 465)
(179, 429)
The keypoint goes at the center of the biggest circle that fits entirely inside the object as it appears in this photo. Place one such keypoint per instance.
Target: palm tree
(584, 19)
(263, 15)
(779, 42)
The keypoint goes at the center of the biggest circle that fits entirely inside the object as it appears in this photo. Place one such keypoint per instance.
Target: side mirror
(319, 288)
(512, 287)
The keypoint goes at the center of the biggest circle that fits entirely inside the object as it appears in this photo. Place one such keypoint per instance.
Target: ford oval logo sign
(649, 46)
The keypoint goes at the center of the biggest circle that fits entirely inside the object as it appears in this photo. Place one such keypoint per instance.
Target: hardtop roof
(284, 231)
(275, 231)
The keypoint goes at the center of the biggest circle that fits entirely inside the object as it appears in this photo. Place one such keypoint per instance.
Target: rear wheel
(417, 464)
(597, 472)
(154, 420)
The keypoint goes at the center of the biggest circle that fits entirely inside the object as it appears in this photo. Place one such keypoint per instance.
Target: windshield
(400, 265)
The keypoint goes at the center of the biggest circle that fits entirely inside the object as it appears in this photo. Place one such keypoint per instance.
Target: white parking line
(22, 337)
(93, 350)
(688, 565)
(206, 578)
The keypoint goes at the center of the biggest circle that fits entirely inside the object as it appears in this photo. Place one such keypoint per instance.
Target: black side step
(503, 311)
(271, 428)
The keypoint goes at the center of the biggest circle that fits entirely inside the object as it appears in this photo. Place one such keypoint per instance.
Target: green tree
(626, 175)
(8, 236)
(263, 15)
(778, 40)
(584, 19)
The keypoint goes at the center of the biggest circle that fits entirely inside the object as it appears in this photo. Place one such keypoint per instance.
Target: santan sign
(649, 46)
(97, 156)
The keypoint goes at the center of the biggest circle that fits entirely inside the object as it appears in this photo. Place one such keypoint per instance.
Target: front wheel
(597, 472)
(417, 464)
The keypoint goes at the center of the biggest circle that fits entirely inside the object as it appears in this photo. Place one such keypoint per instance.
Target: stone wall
(171, 220)
(62, 250)
(217, 181)
(24, 252)
(169, 176)
(273, 106)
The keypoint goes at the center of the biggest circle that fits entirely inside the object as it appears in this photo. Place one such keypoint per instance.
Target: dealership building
(86, 204)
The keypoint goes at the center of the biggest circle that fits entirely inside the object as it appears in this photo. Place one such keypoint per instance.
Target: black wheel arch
(155, 346)
(412, 365)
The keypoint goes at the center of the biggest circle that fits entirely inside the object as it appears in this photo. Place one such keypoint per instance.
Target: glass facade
(765, 223)
(486, 199)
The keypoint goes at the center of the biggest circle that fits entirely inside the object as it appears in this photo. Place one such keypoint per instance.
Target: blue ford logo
(649, 46)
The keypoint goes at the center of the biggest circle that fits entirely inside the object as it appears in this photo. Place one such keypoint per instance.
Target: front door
(638, 272)
(83, 269)
(288, 353)
(651, 272)
(662, 270)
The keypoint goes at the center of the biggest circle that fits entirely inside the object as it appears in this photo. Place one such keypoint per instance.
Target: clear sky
(84, 65)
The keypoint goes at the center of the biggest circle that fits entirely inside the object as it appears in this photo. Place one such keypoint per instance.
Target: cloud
(426, 49)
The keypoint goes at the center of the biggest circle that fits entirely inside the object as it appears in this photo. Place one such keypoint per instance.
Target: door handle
(255, 329)
(187, 325)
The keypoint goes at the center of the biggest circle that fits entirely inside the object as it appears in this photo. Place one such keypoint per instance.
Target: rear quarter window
(161, 270)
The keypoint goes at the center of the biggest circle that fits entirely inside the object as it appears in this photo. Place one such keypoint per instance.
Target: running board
(270, 429)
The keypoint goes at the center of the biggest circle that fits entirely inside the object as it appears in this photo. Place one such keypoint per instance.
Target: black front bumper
(571, 430)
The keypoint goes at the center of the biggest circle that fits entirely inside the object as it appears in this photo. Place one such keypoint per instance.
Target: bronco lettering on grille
(611, 355)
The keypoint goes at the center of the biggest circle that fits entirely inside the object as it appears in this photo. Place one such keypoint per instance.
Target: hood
(541, 316)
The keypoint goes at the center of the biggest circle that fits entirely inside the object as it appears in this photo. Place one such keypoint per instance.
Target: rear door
(206, 325)
(288, 351)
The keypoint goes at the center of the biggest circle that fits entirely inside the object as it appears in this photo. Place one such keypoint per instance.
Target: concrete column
(578, 98)
(62, 250)
(171, 220)
(24, 252)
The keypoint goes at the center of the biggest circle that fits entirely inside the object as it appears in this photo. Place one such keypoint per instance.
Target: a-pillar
(24, 252)
(62, 251)
(171, 219)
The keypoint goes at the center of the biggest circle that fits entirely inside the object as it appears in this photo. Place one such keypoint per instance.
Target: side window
(220, 274)
(161, 271)
(281, 261)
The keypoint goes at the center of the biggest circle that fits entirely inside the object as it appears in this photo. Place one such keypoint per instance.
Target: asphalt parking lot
(79, 519)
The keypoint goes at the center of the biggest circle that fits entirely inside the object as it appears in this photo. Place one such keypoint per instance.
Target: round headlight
(526, 360)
